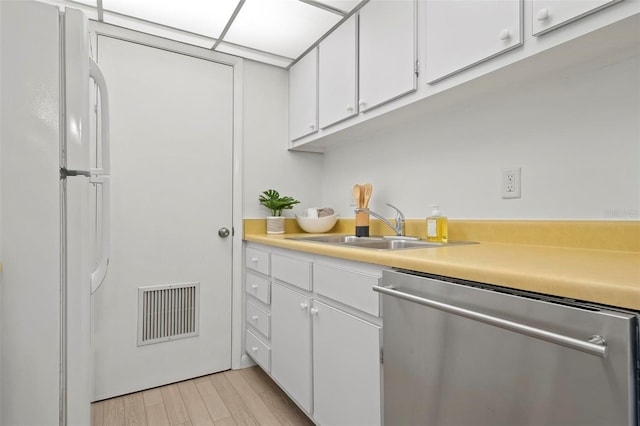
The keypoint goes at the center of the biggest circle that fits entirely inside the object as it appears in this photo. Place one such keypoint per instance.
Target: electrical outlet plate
(511, 182)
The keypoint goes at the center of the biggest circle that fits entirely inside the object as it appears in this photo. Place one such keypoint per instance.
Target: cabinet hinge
(381, 356)
(417, 70)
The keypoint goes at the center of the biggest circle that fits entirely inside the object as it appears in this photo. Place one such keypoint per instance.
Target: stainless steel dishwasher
(468, 354)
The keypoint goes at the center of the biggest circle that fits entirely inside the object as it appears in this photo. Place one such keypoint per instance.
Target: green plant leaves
(271, 200)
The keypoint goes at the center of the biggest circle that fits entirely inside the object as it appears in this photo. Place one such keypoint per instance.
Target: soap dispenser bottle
(437, 231)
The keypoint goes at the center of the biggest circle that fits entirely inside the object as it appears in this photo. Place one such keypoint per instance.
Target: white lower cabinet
(291, 343)
(346, 368)
(319, 334)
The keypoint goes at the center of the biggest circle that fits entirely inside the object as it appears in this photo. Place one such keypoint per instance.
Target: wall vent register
(168, 312)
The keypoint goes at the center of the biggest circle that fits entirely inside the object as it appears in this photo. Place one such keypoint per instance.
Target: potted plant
(272, 200)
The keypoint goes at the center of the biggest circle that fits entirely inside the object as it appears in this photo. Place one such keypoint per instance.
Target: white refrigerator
(54, 221)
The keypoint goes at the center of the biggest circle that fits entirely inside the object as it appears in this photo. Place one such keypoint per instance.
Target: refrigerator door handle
(100, 176)
(99, 274)
(96, 74)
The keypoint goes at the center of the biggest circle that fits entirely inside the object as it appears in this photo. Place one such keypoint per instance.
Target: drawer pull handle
(254, 286)
(543, 14)
(254, 349)
(254, 317)
(254, 259)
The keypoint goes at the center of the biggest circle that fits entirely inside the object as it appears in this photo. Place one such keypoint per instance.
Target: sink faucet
(399, 226)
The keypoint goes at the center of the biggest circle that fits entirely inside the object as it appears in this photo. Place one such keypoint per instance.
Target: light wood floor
(242, 397)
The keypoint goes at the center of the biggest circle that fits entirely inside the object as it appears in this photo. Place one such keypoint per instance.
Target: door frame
(102, 29)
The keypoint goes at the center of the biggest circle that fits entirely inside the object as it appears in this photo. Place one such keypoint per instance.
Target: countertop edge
(599, 276)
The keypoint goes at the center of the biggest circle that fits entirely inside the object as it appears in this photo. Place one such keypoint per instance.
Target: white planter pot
(275, 225)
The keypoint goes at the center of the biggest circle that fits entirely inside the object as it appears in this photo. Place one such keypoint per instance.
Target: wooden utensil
(357, 195)
(362, 219)
(368, 189)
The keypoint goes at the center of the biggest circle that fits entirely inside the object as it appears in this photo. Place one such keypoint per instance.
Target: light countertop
(605, 276)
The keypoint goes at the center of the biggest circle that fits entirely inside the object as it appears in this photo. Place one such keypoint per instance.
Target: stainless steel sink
(377, 243)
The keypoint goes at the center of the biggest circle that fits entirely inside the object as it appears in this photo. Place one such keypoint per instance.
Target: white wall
(266, 162)
(576, 137)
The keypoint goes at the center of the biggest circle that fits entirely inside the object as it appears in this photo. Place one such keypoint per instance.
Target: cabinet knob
(254, 317)
(543, 14)
(254, 259)
(505, 34)
(312, 126)
(254, 349)
(254, 286)
(314, 311)
(304, 305)
(349, 108)
(362, 103)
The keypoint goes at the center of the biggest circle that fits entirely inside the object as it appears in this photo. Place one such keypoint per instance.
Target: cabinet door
(303, 96)
(547, 15)
(337, 89)
(387, 51)
(291, 343)
(346, 367)
(463, 33)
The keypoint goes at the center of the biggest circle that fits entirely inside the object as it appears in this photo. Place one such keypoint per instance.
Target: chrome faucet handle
(399, 219)
(398, 212)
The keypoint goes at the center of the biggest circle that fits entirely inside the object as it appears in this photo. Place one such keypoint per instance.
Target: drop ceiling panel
(158, 30)
(282, 27)
(204, 17)
(93, 3)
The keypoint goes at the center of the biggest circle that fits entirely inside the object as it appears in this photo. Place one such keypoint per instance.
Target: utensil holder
(362, 224)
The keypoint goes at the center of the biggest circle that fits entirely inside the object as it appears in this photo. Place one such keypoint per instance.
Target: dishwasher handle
(595, 345)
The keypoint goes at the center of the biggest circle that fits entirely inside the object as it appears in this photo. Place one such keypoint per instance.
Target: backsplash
(576, 138)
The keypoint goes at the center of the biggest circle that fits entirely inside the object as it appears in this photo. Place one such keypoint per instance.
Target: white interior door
(171, 161)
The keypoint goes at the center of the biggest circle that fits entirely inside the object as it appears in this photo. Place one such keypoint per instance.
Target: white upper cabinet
(337, 74)
(387, 51)
(547, 15)
(463, 33)
(303, 96)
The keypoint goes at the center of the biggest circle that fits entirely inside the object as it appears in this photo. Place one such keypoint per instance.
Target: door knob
(223, 232)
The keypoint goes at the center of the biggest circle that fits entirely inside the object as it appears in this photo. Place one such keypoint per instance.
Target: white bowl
(317, 225)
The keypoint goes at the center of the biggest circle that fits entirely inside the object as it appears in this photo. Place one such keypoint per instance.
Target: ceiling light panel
(205, 17)
(344, 5)
(282, 27)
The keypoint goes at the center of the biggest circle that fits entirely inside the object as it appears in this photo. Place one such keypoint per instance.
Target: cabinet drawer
(291, 270)
(348, 287)
(259, 287)
(258, 318)
(258, 350)
(257, 260)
